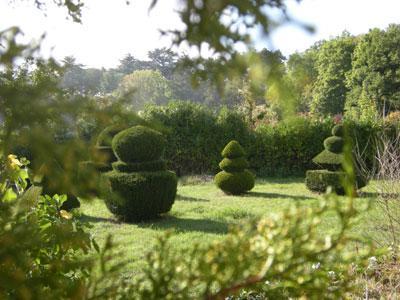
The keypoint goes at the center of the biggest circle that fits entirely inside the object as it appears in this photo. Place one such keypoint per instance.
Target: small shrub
(139, 187)
(320, 180)
(234, 178)
(331, 159)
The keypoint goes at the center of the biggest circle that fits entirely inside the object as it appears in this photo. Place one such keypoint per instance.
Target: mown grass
(201, 213)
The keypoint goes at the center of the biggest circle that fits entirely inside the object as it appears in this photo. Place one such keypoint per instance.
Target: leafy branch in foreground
(280, 256)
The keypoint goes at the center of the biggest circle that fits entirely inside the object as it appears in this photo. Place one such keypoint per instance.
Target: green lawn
(201, 213)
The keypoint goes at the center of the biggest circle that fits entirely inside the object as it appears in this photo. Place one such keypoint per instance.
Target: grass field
(201, 213)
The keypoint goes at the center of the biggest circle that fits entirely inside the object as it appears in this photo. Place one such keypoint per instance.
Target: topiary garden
(331, 160)
(139, 187)
(234, 178)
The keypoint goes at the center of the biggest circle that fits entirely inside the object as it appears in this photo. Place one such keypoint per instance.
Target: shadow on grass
(187, 225)
(92, 219)
(387, 196)
(190, 199)
(287, 180)
(275, 195)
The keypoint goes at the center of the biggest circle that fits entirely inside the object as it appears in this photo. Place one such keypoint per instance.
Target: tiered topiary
(103, 149)
(331, 160)
(140, 187)
(234, 178)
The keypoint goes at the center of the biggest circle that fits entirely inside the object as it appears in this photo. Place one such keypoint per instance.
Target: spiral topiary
(234, 178)
(139, 187)
(331, 160)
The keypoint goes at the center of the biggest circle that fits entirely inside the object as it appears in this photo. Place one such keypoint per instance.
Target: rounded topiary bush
(138, 144)
(139, 187)
(334, 144)
(331, 160)
(234, 178)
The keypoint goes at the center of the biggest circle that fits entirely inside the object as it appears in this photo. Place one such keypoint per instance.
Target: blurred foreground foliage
(284, 256)
(45, 252)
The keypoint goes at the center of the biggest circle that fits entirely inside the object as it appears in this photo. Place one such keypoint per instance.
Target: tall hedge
(195, 135)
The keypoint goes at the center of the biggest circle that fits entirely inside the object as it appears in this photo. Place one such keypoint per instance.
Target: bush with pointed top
(139, 187)
(234, 178)
(331, 160)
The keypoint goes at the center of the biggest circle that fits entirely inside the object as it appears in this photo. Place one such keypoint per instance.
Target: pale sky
(111, 28)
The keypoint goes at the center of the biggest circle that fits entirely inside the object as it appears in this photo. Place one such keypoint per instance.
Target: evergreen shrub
(234, 178)
(139, 187)
(319, 180)
(104, 155)
(331, 160)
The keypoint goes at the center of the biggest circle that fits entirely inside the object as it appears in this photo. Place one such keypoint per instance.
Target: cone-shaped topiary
(234, 178)
(331, 160)
(139, 186)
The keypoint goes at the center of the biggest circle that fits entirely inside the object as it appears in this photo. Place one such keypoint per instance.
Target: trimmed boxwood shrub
(320, 180)
(104, 155)
(138, 145)
(147, 166)
(139, 196)
(234, 178)
(139, 187)
(331, 160)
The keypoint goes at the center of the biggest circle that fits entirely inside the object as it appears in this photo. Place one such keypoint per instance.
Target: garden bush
(234, 177)
(139, 187)
(103, 155)
(319, 180)
(331, 160)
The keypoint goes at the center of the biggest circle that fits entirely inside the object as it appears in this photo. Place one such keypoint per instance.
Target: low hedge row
(196, 135)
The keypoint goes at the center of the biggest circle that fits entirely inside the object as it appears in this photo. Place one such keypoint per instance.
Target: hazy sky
(111, 28)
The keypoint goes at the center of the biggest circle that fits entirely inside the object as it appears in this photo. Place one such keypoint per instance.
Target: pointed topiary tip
(338, 130)
(233, 150)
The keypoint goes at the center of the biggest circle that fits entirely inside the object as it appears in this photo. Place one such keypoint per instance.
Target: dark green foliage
(234, 165)
(320, 180)
(332, 159)
(338, 130)
(287, 147)
(139, 188)
(195, 134)
(234, 178)
(141, 196)
(334, 144)
(138, 144)
(327, 158)
(332, 155)
(334, 60)
(373, 80)
(234, 183)
(233, 150)
(147, 166)
(107, 134)
(105, 154)
(71, 203)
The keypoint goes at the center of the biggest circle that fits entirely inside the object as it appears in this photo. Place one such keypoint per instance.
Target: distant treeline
(358, 76)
